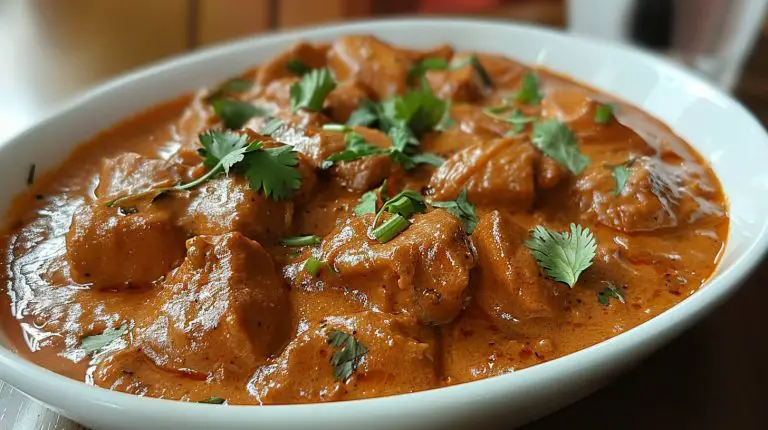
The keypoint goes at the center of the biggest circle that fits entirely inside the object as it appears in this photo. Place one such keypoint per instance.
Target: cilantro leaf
(620, 173)
(529, 92)
(349, 352)
(273, 171)
(419, 110)
(563, 256)
(604, 113)
(356, 148)
(91, 344)
(297, 67)
(558, 142)
(405, 204)
(609, 292)
(222, 147)
(420, 68)
(271, 126)
(368, 201)
(235, 113)
(404, 147)
(517, 119)
(462, 209)
(213, 400)
(427, 158)
(367, 114)
(446, 121)
(310, 92)
(232, 86)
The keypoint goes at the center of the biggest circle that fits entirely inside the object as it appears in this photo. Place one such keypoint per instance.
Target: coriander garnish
(232, 86)
(563, 256)
(402, 206)
(313, 265)
(611, 291)
(390, 228)
(91, 344)
(271, 125)
(604, 113)
(213, 400)
(235, 113)
(269, 170)
(462, 209)
(620, 173)
(349, 352)
(356, 148)
(529, 92)
(310, 92)
(297, 67)
(367, 202)
(404, 147)
(298, 241)
(420, 68)
(558, 142)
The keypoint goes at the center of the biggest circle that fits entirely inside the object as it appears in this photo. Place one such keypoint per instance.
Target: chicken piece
(310, 55)
(462, 84)
(400, 358)
(130, 173)
(228, 204)
(374, 65)
(423, 271)
(448, 142)
(343, 100)
(504, 72)
(131, 371)
(107, 246)
(510, 285)
(357, 175)
(221, 314)
(472, 120)
(443, 52)
(656, 195)
(499, 173)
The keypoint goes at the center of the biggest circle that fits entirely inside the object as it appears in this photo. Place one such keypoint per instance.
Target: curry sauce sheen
(207, 302)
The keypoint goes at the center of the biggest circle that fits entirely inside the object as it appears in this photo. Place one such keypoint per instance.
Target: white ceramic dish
(719, 127)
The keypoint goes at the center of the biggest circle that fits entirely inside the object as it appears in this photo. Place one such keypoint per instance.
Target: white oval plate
(720, 128)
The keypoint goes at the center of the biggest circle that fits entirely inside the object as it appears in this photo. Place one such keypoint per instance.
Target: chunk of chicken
(221, 314)
(228, 204)
(130, 173)
(310, 55)
(343, 100)
(400, 358)
(374, 65)
(423, 271)
(500, 172)
(107, 246)
(510, 285)
(656, 195)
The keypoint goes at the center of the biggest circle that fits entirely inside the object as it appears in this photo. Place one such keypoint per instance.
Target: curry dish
(355, 220)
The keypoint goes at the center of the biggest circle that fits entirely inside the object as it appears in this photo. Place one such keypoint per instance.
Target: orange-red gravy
(657, 244)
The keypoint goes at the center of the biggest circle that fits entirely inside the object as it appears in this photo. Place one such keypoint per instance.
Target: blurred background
(715, 376)
(58, 48)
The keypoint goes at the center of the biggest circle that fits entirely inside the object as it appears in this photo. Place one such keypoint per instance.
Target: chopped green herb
(473, 61)
(620, 173)
(404, 147)
(447, 121)
(91, 344)
(390, 228)
(419, 110)
(558, 142)
(517, 119)
(609, 292)
(31, 175)
(235, 113)
(213, 400)
(529, 92)
(340, 128)
(368, 201)
(405, 203)
(232, 86)
(563, 256)
(271, 170)
(270, 127)
(349, 352)
(462, 209)
(604, 113)
(311, 91)
(356, 148)
(367, 114)
(297, 67)
(420, 68)
(298, 241)
(313, 265)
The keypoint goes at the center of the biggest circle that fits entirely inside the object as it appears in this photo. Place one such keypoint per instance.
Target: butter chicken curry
(356, 220)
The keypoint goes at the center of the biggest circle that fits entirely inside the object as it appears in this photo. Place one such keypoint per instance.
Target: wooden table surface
(714, 376)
